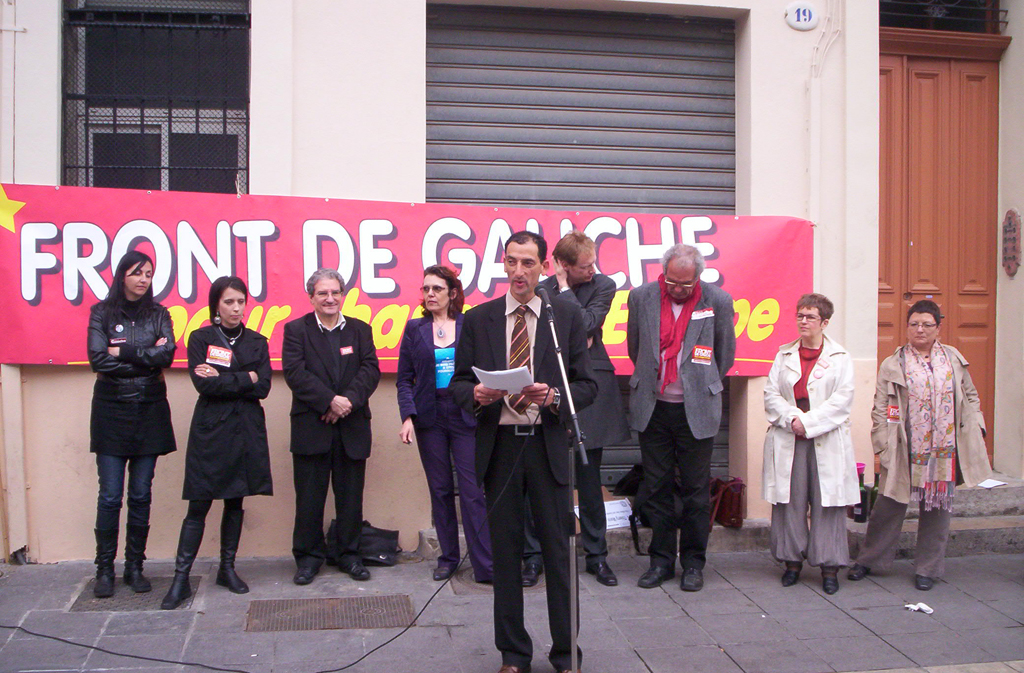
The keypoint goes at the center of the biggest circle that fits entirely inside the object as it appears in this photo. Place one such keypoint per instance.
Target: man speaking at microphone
(522, 446)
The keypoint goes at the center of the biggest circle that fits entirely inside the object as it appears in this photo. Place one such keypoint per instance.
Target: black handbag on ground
(377, 546)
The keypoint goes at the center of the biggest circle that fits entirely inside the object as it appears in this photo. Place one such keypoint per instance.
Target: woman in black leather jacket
(131, 341)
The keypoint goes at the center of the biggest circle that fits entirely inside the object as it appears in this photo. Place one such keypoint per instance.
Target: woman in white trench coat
(808, 453)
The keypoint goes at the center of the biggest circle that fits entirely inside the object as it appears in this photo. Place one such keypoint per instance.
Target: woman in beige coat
(929, 435)
(808, 453)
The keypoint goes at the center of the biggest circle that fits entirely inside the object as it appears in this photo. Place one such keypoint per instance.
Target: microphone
(543, 293)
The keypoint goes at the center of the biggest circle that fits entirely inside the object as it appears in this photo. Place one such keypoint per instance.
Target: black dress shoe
(531, 574)
(604, 574)
(922, 583)
(356, 570)
(829, 584)
(858, 572)
(693, 580)
(304, 575)
(654, 576)
(790, 577)
(442, 573)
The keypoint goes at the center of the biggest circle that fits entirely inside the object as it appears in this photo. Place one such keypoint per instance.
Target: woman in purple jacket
(444, 432)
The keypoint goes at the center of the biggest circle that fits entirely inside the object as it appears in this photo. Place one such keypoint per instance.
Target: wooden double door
(938, 214)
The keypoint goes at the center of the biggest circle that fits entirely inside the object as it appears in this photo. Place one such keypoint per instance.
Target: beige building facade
(337, 109)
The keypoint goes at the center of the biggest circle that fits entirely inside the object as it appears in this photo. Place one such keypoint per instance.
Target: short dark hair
(818, 301)
(456, 295)
(524, 237)
(220, 285)
(926, 306)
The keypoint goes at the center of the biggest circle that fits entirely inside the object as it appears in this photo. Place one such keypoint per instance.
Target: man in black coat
(330, 363)
(575, 281)
(522, 445)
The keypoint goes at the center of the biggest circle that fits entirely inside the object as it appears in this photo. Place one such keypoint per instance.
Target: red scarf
(673, 329)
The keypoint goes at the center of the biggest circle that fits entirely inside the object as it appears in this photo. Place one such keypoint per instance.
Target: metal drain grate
(313, 614)
(126, 600)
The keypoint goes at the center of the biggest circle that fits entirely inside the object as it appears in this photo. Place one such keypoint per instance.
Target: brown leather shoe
(513, 669)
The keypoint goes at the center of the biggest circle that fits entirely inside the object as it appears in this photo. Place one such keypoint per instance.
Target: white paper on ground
(616, 513)
(512, 380)
(919, 607)
(992, 483)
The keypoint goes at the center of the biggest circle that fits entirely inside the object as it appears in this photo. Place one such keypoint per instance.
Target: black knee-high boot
(188, 547)
(106, 550)
(134, 555)
(230, 533)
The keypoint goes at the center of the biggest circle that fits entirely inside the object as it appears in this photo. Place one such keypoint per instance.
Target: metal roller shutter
(576, 109)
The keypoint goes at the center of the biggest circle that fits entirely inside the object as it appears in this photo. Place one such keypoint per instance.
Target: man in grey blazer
(682, 342)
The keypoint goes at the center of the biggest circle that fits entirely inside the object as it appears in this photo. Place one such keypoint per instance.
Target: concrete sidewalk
(743, 620)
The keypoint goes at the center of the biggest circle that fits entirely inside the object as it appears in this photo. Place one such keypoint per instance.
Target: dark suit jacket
(594, 300)
(483, 344)
(310, 371)
(416, 387)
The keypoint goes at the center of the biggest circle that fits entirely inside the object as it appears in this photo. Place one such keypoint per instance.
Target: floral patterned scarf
(932, 427)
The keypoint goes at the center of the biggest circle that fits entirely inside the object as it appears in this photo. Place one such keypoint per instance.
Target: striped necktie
(519, 356)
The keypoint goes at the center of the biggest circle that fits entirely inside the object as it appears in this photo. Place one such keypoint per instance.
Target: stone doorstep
(967, 536)
(753, 536)
(987, 502)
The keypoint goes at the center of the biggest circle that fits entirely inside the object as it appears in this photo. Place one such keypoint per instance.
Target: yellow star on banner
(8, 208)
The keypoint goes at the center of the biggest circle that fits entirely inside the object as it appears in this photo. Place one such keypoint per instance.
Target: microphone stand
(576, 447)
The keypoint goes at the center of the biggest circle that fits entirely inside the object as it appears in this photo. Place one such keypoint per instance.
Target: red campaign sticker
(216, 355)
(701, 355)
(893, 413)
(346, 350)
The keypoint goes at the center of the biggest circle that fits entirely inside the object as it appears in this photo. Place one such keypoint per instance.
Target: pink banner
(59, 245)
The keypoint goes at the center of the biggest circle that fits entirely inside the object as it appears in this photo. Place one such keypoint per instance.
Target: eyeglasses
(324, 294)
(807, 317)
(436, 289)
(922, 325)
(683, 286)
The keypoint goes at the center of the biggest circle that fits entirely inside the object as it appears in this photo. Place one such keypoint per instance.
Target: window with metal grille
(965, 16)
(156, 94)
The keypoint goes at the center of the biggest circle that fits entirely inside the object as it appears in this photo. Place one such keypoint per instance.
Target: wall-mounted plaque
(1011, 242)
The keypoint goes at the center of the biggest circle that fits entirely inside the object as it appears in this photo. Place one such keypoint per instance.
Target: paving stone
(859, 653)
(1012, 609)
(745, 628)
(991, 588)
(1017, 665)
(607, 661)
(31, 653)
(986, 667)
(935, 648)
(157, 647)
(820, 624)
(779, 599)
(656, 632)
(62, 624)
(714, 602)
(967, 614)
(642, 603)
(601, 634)
(243, 649)
(693, 659)
(779, 657)
(1003, 644)
(149, 623)
(887, 620)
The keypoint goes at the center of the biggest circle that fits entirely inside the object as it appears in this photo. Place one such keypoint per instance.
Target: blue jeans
(140, 481)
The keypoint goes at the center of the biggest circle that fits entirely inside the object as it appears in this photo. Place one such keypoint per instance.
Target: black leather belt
(519, 430)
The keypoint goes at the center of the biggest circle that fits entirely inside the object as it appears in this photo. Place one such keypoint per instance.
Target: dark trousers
(111, 471)
(593, 522)
(507, 482)
(446, 442)
(312, 475)
(667, 445)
